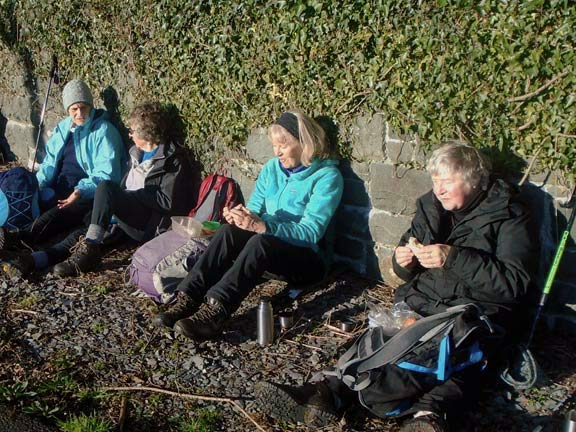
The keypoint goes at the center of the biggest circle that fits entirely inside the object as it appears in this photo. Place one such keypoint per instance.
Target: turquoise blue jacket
(99, 151)
(298, 208)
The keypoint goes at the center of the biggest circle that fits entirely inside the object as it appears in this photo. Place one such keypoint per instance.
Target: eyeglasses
(131, 131)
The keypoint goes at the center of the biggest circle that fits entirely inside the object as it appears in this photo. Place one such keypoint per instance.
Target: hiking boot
(425, 423)
(9, 240)
(20, 266)
(312, 404)
(205, 324)
(85, 257)
(184, 307)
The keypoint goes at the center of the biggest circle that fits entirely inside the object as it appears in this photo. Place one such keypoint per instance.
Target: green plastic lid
(211, 225)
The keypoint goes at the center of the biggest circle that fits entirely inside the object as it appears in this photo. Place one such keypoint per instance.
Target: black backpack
(414, 360)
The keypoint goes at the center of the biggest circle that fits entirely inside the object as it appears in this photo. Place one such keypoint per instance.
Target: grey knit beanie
(76, 91)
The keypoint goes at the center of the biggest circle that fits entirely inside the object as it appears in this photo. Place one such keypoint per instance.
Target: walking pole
(53, 77)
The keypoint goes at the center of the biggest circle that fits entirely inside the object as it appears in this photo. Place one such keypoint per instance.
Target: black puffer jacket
(489, 264)
(170, 188)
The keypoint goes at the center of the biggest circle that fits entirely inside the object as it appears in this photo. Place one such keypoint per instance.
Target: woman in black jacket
(469, 242)
(158, 185)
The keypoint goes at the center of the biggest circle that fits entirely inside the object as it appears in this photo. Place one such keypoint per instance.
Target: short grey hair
(456, 157)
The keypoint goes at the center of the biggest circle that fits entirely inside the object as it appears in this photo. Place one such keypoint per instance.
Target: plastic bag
(392, 319)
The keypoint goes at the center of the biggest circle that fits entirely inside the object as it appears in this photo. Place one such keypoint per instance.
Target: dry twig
(189, 396)
(24, 311)
(539, 89)
(122, 416)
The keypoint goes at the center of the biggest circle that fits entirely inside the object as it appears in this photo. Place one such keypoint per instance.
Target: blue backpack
(18, 198)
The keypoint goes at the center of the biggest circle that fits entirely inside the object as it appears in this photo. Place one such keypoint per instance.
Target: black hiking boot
(312, 404)
(21, 266)
(205, 324)
(425, 423)
(85, 257)
(184, 307)
(9, 240)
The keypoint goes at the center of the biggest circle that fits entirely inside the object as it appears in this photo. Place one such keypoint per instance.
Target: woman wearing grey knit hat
(83, 150)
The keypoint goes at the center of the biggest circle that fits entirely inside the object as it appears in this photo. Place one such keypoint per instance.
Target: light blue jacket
(298, 208)
(99, 151)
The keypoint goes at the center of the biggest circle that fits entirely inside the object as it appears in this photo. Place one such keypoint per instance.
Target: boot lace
(209, 312)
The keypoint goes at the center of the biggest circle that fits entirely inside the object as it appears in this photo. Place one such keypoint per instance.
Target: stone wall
(379, 192)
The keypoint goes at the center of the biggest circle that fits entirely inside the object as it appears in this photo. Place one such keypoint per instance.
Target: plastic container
(210, 227)
(187, 226)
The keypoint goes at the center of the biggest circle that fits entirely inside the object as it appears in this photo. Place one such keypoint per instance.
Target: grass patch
(26, 302)
(84, 423)
(204, 420)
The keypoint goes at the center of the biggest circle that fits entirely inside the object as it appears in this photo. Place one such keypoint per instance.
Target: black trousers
(109, 199)
(55, 221)
(236, 259)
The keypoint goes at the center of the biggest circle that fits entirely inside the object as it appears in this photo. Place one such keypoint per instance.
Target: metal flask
(570, 422)
(265, 322)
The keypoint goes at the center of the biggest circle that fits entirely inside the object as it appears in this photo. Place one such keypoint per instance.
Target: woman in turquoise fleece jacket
(280, 231)
(84, 150)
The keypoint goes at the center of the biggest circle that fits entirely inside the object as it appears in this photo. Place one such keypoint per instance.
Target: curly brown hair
(149, 122)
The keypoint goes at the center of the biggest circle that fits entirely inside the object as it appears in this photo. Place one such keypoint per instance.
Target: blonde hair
(312, 137)
(456, 157)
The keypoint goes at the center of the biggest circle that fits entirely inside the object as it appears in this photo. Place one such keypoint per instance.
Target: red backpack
(216, 192)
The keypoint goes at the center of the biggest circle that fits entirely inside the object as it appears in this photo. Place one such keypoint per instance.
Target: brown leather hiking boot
(184, 307)
(207, 323)
(312, 404)
(85, 257)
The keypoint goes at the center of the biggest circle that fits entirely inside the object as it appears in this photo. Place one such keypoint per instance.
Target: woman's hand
(404, 257)
(433, 256)
(73, 197)
(245, 219)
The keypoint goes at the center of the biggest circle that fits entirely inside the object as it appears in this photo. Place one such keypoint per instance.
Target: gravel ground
(63, 340)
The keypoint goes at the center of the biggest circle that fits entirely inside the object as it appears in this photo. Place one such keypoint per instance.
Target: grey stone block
(387, 229)
(361, 170)
(258, 146)
(246, 183)
(20, 136)
(355, 193)
(17, 108)
(397, 191)
(368, 135)
(388, 276)
(353, 220)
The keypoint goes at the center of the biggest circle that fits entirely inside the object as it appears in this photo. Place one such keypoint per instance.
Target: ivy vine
(499, 74)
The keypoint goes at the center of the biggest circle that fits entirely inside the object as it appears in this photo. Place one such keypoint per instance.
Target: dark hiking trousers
(55, 221)
(236, 259)
(109, 199)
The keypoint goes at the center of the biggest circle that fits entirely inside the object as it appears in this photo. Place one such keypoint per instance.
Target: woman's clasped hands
(244, 218)
(431, 256)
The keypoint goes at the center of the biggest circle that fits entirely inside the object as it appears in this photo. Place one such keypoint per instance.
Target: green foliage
(444, 69)
(204, 420)
(83, 423)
